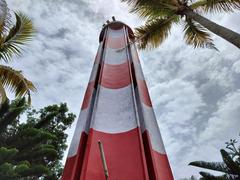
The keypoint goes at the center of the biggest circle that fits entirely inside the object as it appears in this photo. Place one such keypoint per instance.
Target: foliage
(191, 178)
(161, 15)
(12, 37)
(216, 5)
(159, 28)
(32, 149)
(197, 35)
(15, 81)
(230, 165)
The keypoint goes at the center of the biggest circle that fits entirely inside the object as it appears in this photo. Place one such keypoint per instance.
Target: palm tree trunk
(221, 31)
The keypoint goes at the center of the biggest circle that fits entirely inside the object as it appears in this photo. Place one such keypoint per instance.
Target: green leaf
(15, 81)
(158, 3)
(4, 108)
(7, 154)
(35, 171)
(4, 18)
(232, 166)
(40, 150)
(197, 35)
(7, 172)
(208, 176)
(3, 95)
(216, 166)
(154, 32)
(12, 113)
(18, 35)
(217, 5)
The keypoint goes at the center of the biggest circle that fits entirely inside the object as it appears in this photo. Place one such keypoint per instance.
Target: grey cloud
(195, 92)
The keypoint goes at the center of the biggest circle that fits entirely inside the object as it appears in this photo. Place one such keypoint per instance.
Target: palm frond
(3, 96)
(198, 4)
(233, 167)
(217, 5)
(216, 166)
(154, 11)
(197, 35)
(16, 82)
(207, 176)
(149, 2)
(5, 17)
(150, 8)
(18, 35)
(154, 32)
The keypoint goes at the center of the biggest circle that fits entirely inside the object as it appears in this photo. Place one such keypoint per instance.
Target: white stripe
(147, 117)
(83, 124)
(80, 127)
(134, 53)
(139, 107)
(113, 56)
(136, 63)
(148, 121)
(138, 70)
(153, 129)
(115, 33)
(114, 111)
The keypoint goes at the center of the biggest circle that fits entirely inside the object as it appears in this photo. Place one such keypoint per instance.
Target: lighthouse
(117, 136)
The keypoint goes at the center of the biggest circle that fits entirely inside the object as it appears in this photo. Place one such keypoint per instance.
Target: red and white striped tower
(117, 111)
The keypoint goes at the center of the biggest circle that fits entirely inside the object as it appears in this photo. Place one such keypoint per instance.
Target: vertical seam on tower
(100, 77)
(93, 104)
(131, 78)
(128, 52)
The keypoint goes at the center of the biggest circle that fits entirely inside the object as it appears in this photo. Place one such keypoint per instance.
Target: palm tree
(160, 15)
(12, 37)
(230, 165)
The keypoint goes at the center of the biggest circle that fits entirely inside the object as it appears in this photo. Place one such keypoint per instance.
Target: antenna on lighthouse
(103, 160)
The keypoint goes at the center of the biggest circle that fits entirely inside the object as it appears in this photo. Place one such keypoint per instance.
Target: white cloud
(194, 91)
(177, 100)
(236, 67)
(221, 125)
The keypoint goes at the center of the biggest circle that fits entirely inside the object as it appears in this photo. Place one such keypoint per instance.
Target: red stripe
(116, 26)
(123, 153)
(68, 169)
(148, 153)
(73, 165)
(115, 76)
(157, 163)
(88, 94)
(162, 166)
(116, 42)
(143, 91)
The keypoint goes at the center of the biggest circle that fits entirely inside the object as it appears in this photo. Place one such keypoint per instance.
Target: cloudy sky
(195, 93)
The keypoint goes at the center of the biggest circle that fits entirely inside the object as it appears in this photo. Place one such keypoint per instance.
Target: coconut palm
(230, 165)
(12, 37)
(160, 15)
